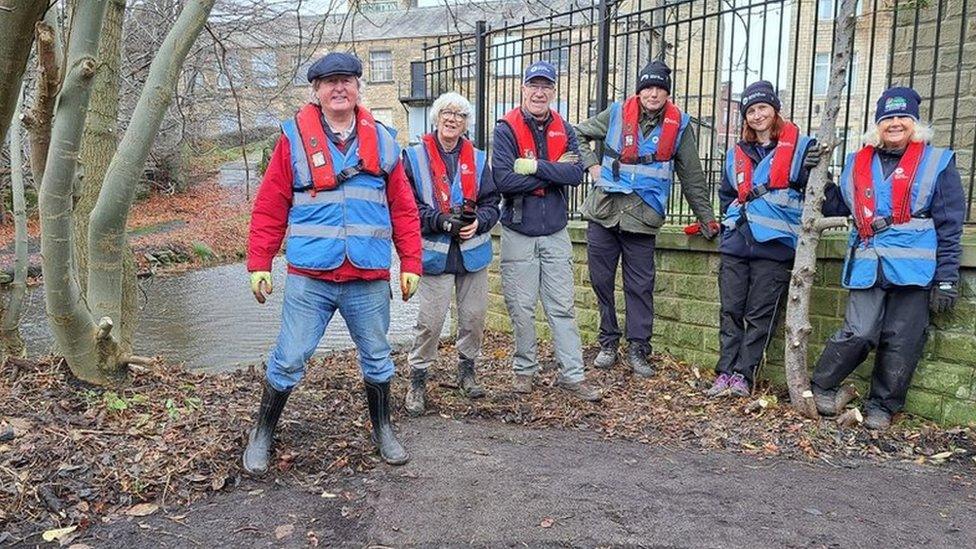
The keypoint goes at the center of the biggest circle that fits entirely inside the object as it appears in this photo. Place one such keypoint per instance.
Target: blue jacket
(946, 207)
(740, 242)
(652, 180)
(353, 220)
(430, 225)
(539, 216)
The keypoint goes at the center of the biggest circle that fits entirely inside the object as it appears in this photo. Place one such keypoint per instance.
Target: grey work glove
(943, 297)
(813, 155)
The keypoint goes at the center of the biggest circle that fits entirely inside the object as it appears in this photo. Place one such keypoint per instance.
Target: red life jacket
(442, 185)
(556, 138)
(666, 144)
(316, 145)
(901, 187)
(779, 172)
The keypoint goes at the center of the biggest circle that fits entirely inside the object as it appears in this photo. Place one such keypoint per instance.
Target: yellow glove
(525, 166)
(408, 284)
(261, 285)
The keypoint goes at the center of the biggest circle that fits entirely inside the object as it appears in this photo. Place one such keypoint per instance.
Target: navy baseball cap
(540, 69)
(333, 64)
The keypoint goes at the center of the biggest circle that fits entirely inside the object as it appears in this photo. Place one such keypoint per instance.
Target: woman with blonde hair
(762, 202)
(908, 206)
(458, 205)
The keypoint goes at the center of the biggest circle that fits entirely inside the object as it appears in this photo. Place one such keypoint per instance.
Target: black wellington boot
(258, 451)
(378, 398)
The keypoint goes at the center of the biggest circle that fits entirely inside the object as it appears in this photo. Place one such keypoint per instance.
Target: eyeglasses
(541, 87)
(457, 115)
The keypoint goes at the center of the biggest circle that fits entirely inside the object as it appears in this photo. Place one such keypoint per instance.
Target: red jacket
(269, 222)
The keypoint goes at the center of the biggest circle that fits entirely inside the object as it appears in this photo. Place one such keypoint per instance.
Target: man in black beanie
(646, 140)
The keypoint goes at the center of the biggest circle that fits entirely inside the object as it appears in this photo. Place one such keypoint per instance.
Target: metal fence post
(480, 85)
(603, 56)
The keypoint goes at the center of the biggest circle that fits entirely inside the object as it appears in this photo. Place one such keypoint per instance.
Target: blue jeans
(308, 308)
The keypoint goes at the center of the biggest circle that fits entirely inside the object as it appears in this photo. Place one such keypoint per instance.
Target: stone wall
(687, 312)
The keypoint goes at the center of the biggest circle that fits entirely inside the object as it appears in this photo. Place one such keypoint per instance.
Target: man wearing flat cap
(646, 141)
(336, 189)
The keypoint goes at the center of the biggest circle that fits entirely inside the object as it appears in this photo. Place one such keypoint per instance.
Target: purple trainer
(739, 386)
(720, 386)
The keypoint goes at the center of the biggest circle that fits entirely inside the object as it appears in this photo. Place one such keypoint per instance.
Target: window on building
(821, 73)
(264, 67)
(377, 6)
(466, 59)
(846, 141)
(556, 51)
(231, 72)
(227, 123)
(381, 66)
(265, 119)
(506, 55)
(827, 9)
(301, 71)
(385, 116)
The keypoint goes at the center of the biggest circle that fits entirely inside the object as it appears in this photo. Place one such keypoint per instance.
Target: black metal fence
(715, 48)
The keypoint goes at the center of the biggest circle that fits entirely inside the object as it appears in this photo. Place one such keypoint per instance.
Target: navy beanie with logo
(759, 92)
(897, 101)
(655, 73)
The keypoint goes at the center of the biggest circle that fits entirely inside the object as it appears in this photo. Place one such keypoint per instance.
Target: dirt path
(488, 484)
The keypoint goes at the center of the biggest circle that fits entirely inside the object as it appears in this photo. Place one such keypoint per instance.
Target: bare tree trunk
(798, 327)
(13, 344)
(17, 18)
(106, 238)
(85, 346)
(98, 145)
(38, 119)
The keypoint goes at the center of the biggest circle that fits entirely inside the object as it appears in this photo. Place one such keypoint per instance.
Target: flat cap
(335, 63)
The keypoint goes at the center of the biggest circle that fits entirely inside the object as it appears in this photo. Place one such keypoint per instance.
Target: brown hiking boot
(832, 401)
(522, 384)
(580, 389)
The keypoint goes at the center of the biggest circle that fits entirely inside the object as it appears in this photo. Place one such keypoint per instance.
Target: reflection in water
(209, 319)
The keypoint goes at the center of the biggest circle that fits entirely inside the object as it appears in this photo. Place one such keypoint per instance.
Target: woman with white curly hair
(458, 206)
(906, 198)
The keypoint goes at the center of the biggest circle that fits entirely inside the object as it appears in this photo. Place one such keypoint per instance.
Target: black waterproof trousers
(750, 291)
(604, 250)
(893, 321)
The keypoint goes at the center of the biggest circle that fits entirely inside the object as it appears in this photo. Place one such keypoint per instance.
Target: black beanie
(655, 73)
(759, 92)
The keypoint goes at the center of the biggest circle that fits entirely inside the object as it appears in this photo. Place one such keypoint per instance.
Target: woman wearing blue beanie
(903, 258)
(762, 202)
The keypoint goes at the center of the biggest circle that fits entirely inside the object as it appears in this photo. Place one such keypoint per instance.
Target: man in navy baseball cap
(334, 64)
(540, 69)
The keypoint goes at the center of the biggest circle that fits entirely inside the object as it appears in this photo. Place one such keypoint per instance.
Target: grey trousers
(434, 295)
(534, 267)
(894, 322)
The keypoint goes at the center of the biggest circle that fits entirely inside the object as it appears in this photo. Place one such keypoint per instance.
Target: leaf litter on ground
(81, 454)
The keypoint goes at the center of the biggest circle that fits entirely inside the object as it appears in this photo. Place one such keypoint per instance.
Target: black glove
(449, 223)
(943, 297)
(711, 229)
(469, 213)
(812, 157)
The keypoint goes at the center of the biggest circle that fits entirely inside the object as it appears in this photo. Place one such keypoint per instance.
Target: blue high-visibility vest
(774, 214)
(352, 220)
(475, 251)
(906, 252)
(651, 180)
